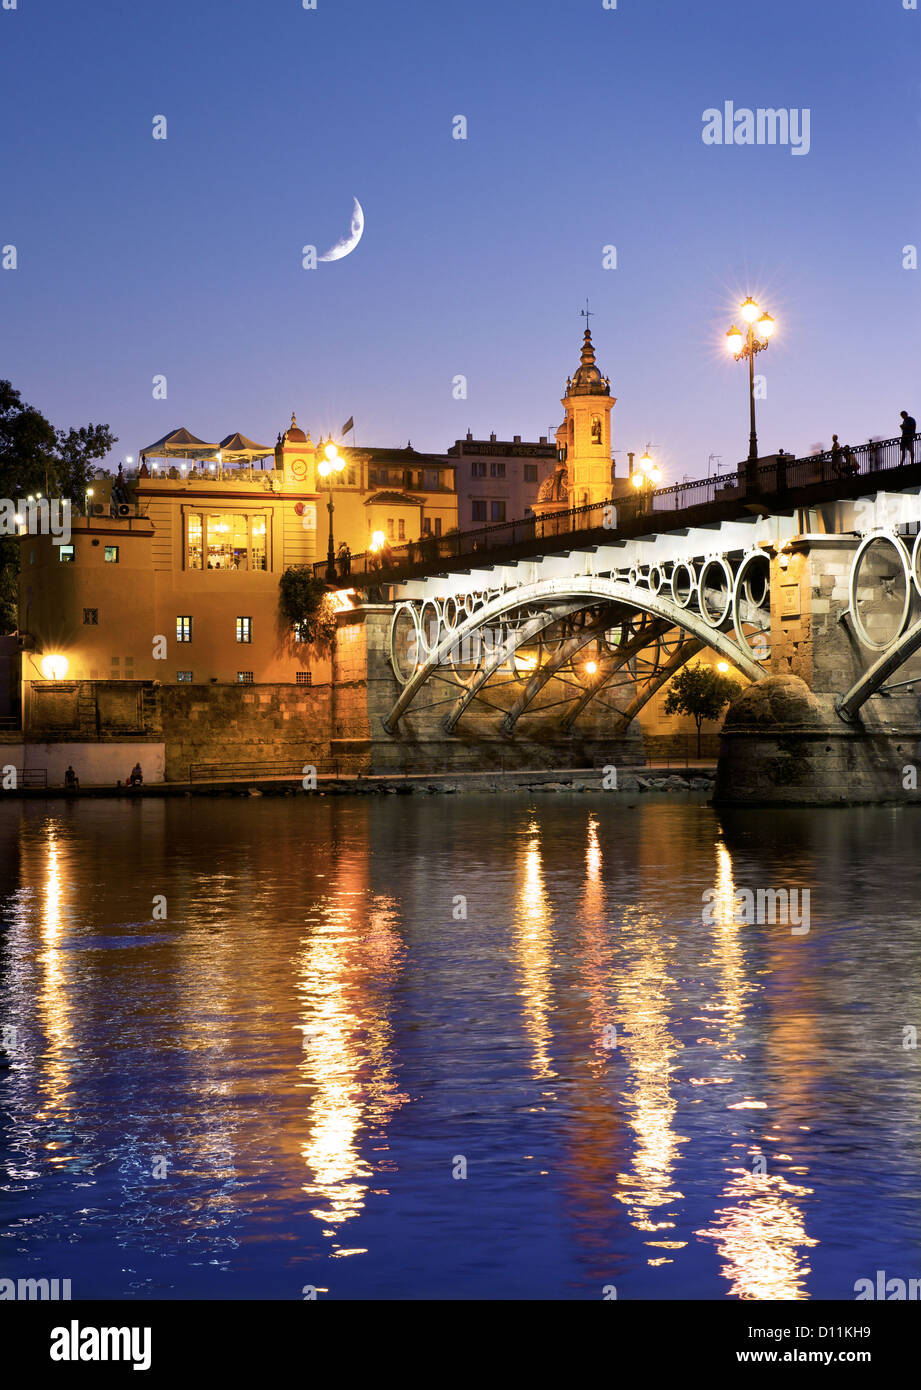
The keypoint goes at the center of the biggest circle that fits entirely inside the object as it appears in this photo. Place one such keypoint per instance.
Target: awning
(236, 448)
(180, 444)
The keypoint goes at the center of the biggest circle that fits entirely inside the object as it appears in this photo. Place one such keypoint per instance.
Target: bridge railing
(777, 475)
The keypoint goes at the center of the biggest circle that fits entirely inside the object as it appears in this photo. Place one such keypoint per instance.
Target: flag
(349, 425)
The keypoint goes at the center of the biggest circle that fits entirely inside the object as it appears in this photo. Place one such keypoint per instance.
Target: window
(596, 429)
(184, 629)
(304, 678)
(91, 616)
(111, 555)
(426, 526)
(66, 554)
(438, 526)
(351, 475)
(530, 472)
(226, 541)
(478, 470)
(479, 510)
(390, 535)
(401, 529)
(195, 541)
(244, 678)
(244, 629)
(184, 676)
(372, 477)
(497, 511)
(497, 470)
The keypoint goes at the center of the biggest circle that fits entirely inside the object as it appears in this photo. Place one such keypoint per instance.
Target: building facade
(499, 480)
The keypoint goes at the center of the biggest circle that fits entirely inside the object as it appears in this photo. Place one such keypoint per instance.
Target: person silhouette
(909, 430)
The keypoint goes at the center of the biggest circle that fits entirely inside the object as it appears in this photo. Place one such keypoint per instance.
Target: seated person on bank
(71, 780)
(136, 776)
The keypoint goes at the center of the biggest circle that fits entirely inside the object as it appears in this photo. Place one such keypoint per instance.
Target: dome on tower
(294, 435)
(588, 380)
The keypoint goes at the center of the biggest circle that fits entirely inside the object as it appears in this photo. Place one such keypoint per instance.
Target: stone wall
(219, 725)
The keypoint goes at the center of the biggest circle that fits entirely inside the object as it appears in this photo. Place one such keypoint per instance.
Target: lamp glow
(722, 666)
(591, 667)
(637, 480)
(750, 310)
(54, 666)
(765, 326)
(377, 541)
(331, 451)
(735, 340)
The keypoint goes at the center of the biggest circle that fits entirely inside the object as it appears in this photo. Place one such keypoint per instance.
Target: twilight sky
(182, 257)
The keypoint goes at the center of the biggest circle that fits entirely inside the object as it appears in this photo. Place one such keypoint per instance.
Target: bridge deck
(781, 485)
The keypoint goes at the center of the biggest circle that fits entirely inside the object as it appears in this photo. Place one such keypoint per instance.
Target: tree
(305, 603)
(37, 458)
(700, 692)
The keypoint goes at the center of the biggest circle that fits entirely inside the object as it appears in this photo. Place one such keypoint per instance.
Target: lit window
(303, 678)
(244, 629)
(227, 541)
(66, 554)
(91, 616)
(194, 553)
(244, 678)
(184, 629)
(111, 555)
(184, 676)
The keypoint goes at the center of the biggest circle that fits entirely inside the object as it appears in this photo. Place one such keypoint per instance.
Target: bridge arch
(591, 589)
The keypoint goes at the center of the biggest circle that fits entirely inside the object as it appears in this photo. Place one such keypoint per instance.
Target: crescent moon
(347, 243)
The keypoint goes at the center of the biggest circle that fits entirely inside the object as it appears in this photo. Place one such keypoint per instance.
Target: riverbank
(631, 781)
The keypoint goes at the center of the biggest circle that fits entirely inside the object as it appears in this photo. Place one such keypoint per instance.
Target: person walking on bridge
(909, 430)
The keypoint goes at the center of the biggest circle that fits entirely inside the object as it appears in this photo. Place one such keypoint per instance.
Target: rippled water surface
(349, 1002)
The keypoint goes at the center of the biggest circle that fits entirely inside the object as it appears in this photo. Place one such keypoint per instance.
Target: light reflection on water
(272, 1086)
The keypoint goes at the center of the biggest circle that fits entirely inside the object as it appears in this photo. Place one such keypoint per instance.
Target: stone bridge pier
(838, 719)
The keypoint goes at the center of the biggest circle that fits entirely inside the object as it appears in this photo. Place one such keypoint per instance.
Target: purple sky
(182, 257)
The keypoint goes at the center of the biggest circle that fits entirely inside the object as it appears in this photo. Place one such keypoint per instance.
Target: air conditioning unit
(124, 509)
(99, 509)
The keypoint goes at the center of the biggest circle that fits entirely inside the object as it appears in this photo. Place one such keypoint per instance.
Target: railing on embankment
(820, 477)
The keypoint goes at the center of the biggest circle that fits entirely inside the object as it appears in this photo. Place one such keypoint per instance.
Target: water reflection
(532, 934)
(309, 1035)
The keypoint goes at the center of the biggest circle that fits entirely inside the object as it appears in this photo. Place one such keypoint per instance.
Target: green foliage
(305, 602)
(35, 457)
(700, 692)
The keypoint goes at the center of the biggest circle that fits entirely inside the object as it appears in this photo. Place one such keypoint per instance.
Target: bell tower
(295, 457)
(586, 432)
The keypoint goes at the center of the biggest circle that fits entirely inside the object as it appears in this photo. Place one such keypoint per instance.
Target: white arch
(583, 586)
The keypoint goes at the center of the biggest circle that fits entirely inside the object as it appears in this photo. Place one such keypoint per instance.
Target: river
(478, 1046)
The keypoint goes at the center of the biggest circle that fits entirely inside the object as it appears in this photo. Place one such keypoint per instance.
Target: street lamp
(647, 475)
(747, 344)
(88, 500)
(329, 464)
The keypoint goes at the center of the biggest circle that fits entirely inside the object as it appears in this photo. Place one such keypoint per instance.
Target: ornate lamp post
(743, 345)
(646, 476)
(330, 463)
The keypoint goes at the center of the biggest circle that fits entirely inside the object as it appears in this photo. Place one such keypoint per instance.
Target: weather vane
(587, 313)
